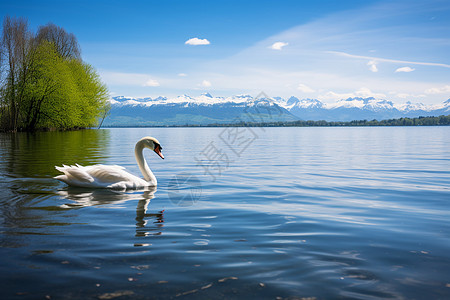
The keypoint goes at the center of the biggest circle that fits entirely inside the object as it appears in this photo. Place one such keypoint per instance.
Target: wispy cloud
(196, 42)
(404, 69)
(151, 82)
(438, 90)
(362, 92)
(278, 45)
(205, 83)
(389, 60)
(304, 88)
(372, 66)
(407, 96)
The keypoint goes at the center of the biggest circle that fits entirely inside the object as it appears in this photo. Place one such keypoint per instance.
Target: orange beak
(158, 151)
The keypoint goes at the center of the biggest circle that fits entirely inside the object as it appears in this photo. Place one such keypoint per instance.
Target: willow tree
(63, 93)
(45, 82)
(50, 94)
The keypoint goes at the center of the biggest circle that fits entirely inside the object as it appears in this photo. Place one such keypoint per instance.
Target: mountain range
(206, 109)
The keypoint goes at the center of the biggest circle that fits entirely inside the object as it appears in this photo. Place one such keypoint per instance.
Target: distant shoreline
(406, 122)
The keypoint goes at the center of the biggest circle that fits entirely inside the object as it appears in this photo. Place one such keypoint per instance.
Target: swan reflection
(82, 197)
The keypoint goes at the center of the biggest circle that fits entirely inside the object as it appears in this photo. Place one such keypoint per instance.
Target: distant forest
(420, 121)
(44, 83)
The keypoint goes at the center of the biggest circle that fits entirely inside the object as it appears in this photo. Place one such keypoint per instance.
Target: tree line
(44, 83)
(420, 121)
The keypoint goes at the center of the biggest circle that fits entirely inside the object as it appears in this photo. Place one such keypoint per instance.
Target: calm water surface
(262, 213)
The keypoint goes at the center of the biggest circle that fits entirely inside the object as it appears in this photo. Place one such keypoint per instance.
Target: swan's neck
(142, 163)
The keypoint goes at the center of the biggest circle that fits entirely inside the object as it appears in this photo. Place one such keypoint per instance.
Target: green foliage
(91, 93)
(51, 88)
(50, 93)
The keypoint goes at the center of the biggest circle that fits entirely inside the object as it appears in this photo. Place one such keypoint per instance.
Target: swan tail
(74, 175)
(62, 178)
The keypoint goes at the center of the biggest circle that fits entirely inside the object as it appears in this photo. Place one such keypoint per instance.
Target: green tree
(50, 93)
(44, 82)
(63, 93)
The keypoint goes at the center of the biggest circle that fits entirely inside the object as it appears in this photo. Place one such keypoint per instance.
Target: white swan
(113, 177)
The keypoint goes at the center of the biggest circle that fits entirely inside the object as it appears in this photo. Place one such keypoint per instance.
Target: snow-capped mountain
(207, 109)
(361, 108)
(364, 103)
(203, 99)
(408, 106)
(446, 106)
(294, 102)
(186, 110)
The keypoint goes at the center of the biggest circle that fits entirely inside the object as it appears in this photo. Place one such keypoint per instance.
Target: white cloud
(205, 83)
(304, 88)
(407, 95)
(197, 41)
(182, 74)
(372, 66)
(403, 95)
(151, 82)
(278, 45)
(362, 92)
(404, 69)
(365, 92)
(438, 90)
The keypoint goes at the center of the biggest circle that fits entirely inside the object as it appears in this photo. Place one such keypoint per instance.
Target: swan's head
(153, 144)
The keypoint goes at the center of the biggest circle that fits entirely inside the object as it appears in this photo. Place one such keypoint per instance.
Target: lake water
(239, 213)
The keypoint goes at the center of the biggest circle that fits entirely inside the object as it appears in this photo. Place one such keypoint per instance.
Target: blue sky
(396, 50)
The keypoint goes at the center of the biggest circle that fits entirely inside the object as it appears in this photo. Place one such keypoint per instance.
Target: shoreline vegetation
(44, 83)
(420, 121)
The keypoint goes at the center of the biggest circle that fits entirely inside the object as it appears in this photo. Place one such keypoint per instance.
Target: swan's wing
(74, 175)
(109, 174)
